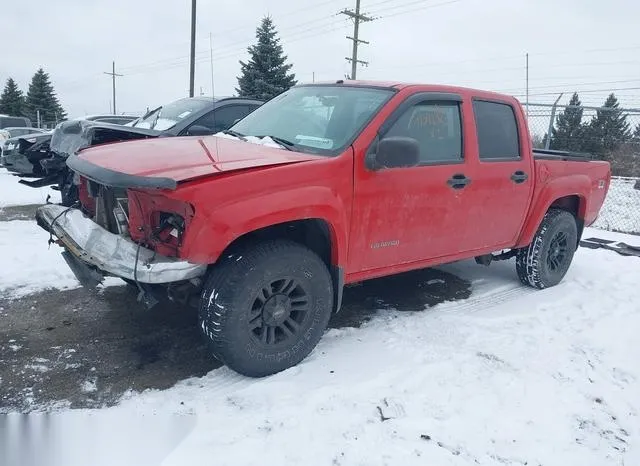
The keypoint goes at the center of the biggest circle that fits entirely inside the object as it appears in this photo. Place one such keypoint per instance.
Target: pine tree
(12, 99)
(265, 75)
(568, 131)
(608, 129)
(42, 97)
(636, 134)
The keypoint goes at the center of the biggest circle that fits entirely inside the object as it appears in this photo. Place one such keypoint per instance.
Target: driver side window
(436, 126)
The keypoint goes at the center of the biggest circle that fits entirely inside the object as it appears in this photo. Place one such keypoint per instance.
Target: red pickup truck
(323, 186)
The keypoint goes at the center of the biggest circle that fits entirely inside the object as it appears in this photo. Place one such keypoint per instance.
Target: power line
(233, 53)
(427, 7)
(230, 46)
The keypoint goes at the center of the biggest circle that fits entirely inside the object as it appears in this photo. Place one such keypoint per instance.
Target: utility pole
(527, 79)
(192, 64)
(113, 75)
(357, 18)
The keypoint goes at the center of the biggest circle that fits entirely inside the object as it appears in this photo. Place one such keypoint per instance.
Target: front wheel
(545, 262)
(264, 308)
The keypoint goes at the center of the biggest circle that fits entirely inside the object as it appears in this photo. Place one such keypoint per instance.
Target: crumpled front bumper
(111, 253)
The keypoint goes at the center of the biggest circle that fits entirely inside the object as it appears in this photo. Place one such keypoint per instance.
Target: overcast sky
(585, 45)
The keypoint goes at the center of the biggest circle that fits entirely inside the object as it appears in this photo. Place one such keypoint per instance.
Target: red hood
(184, 158)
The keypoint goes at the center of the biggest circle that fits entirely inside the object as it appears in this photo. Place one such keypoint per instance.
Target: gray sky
(586, 45)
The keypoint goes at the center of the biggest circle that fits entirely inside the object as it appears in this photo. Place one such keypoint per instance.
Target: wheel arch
(316, 234)
(566, 193)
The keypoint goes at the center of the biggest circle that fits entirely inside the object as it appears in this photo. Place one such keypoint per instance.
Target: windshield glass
(315, 119)
(169, 115)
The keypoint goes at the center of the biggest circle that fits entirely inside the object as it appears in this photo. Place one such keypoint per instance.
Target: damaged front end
(128, 234)
(46, 159)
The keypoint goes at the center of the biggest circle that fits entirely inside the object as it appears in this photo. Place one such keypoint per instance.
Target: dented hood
(164, 162)
(74, 135)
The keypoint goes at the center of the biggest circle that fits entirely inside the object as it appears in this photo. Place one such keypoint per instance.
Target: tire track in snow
(489, 300)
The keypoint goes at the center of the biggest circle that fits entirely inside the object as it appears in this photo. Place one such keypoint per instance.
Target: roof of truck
(402, 85)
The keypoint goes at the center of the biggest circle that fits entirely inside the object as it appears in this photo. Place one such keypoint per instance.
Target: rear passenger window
(436, 127)
(497, 130)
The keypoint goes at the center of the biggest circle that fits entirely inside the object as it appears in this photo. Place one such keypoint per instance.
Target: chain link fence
(611, 134)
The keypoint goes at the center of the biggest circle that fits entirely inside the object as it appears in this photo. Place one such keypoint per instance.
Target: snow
(621, 209)
(510, 376)
(13, 193)
(265, 141)
(33, 265)
(89, 386)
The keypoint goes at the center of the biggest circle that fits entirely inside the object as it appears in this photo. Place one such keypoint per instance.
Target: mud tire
(239, 304)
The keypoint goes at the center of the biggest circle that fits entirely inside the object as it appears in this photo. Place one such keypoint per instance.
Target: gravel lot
(80, 348)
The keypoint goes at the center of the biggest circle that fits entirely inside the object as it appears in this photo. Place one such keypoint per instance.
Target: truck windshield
(316, 119)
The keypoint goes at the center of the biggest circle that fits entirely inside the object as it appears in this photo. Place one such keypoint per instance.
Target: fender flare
(565, 186)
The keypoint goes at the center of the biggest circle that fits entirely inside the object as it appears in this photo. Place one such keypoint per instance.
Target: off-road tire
(237, 286)
(540, 264)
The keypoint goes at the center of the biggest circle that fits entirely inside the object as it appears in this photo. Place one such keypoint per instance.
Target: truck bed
(566, 156)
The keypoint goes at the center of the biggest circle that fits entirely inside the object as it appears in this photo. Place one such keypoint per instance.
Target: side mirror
(394, 152)
(198, 130)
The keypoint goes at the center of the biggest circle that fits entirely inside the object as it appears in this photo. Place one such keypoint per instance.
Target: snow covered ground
(511, 376)
(33, 266)
(13, 193)
(621, 210)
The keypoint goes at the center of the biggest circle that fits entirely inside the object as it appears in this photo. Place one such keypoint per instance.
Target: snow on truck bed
(510, 376)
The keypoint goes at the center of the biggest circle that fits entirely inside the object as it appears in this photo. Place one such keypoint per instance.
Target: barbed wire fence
(621, 210)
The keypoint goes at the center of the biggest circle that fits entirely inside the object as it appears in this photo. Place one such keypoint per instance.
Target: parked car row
(41, 160)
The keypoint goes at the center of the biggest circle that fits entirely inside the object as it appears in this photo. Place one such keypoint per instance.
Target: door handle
(458, 181)
(519, 177)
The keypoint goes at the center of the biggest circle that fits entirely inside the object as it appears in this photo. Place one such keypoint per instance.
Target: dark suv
(196, 116)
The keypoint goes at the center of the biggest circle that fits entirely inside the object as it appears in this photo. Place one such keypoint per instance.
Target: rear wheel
(545, 262)
(265, 307)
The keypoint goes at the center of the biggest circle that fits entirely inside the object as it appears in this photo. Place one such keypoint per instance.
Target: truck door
(404, 215)
(503, 179)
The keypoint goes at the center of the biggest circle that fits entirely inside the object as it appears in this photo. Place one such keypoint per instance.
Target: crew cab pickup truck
(323, 186)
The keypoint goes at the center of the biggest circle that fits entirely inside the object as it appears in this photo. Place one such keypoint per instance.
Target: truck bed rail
(548, 154)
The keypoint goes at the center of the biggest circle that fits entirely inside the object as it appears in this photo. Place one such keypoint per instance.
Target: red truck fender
(568, 192)
(227, 223)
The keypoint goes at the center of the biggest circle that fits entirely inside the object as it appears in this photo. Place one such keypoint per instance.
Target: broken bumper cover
(110, 253)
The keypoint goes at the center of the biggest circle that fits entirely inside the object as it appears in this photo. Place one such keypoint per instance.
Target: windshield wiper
(231, 132)
(283, 142)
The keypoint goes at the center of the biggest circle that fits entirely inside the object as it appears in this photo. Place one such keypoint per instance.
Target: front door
(405, 215)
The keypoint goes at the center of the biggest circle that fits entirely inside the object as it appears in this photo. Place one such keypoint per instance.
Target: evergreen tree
(265, 75)
(42, 97)
(608, 129)
(568, 131)
(636, 134)
(12, 99)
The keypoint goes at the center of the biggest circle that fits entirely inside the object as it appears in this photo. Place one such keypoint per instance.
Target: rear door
(503, 182)
(405, 215)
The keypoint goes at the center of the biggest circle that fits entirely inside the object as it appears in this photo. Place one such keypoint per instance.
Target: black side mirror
(394, 152)
(198, 130)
